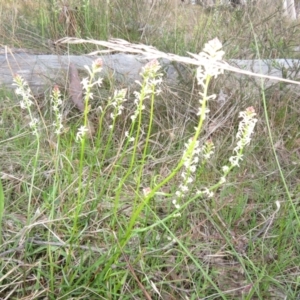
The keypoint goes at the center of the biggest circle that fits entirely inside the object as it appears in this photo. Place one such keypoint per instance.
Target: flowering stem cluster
(148, 90)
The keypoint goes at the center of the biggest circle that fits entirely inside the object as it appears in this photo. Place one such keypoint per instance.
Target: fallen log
(44, 71)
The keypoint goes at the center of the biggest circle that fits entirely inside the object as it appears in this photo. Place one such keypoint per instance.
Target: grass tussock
(162, 192)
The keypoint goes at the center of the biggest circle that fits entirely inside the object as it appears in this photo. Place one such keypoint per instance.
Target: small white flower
(184, 188)
(99, 82)
(195, 161)
(133, 117)
(178, 194)
(222, 180)
(190, 180)
(208, 193)
(85, 83)
(225, 169)
(193, 168)
(23, 105)
(177, 206)
(33, 123)
(18, 91)
(234, 160)
(206, 111)
(58, 131)
(81, 133)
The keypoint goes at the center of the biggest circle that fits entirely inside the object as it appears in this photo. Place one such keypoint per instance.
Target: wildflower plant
(124, 207)
(87, 84)
(27, 100)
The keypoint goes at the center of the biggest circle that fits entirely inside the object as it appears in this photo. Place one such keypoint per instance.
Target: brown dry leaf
(75, 88)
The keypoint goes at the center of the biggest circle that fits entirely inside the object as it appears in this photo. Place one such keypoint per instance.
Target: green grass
(96, 218)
